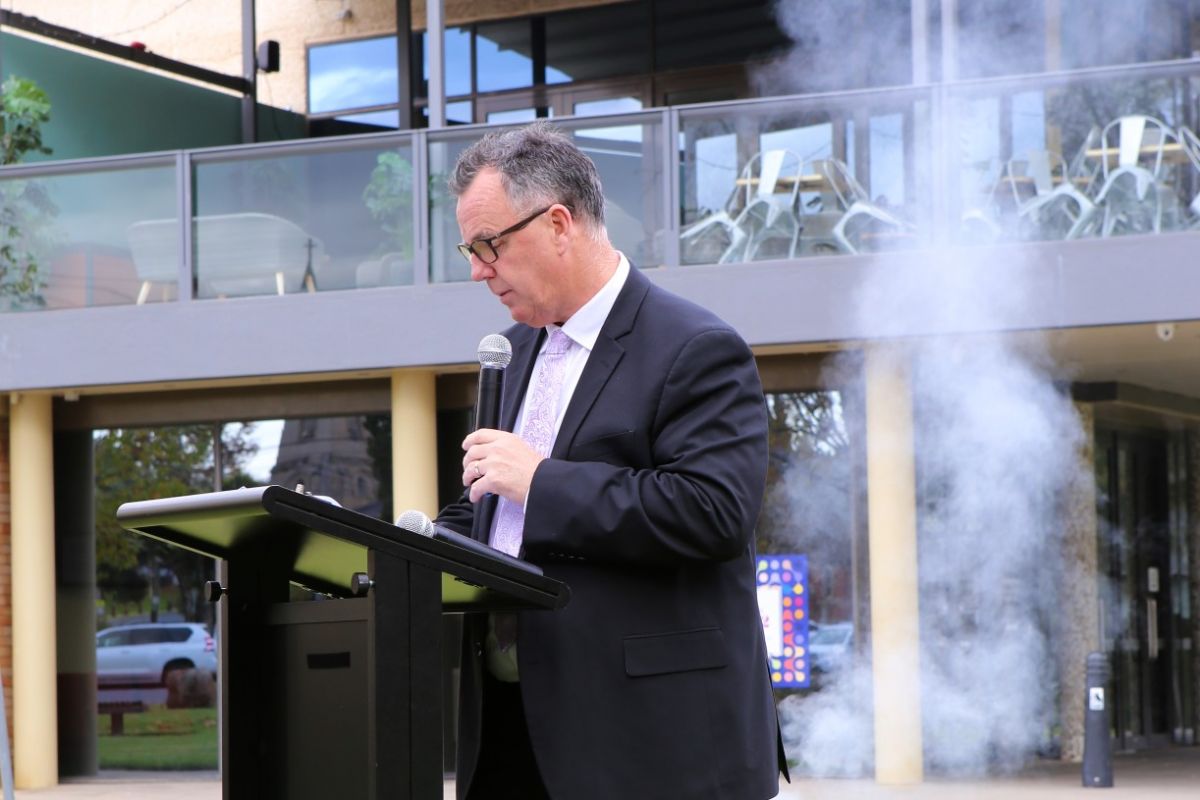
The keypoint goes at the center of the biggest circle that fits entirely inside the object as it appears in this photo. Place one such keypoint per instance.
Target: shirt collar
(584, 326)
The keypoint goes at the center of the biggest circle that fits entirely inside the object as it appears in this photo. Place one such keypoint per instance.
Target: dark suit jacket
(653, 681)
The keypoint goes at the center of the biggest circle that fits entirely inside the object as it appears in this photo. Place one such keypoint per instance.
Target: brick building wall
(1078, 627)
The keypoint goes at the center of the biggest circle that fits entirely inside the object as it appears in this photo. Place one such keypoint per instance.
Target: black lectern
(338, 697)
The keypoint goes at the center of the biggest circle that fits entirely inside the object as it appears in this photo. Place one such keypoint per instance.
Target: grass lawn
(161, 738)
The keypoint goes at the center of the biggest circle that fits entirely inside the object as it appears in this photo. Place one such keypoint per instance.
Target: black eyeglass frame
(470, 248)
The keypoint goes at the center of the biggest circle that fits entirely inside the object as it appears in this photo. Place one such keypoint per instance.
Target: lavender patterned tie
(538, 433)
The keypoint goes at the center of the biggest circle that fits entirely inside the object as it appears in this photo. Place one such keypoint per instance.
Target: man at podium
(634, 472)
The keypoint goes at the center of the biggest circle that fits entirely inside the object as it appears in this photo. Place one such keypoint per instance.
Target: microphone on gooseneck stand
(417, 522)
(495, 352)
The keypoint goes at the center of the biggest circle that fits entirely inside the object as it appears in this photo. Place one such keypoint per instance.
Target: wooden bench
(117, 710)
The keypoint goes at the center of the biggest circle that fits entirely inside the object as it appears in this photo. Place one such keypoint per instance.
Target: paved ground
(1171, 773)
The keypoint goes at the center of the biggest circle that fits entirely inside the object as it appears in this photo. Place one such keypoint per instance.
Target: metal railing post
(941, 159)
(183, 171)
(422, 267)
(673, 190)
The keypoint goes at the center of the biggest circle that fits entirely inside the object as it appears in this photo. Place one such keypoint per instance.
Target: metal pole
(250, 73)
(435, 30)
(949, 40)
(1097, 743)
(405, 79)
(6, 768)
(919, 14)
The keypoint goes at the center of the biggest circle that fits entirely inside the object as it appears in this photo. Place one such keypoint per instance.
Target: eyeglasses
(486, 249)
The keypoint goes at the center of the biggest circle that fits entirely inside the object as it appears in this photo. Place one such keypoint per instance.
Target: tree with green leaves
(25, 207)
(146, 464)
(24, 109)
(388, 198)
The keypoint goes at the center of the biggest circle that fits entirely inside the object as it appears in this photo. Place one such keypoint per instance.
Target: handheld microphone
(495, 352)
(416, 522)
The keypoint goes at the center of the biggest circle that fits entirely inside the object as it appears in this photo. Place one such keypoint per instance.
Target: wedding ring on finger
(478, 471)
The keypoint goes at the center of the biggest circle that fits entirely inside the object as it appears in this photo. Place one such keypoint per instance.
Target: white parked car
(829, 645)
(133, 655)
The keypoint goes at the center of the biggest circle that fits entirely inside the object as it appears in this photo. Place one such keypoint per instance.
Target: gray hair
(538, 165)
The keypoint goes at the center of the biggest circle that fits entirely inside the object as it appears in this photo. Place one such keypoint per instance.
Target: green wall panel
(102, 108)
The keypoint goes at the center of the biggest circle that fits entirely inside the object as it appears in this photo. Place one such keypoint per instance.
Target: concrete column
(75, 529)
(35, 712)
(1078, 627)
(414, 441)
(5, 568)
(892, 520)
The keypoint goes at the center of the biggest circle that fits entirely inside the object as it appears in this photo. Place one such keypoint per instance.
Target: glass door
(1145, 604)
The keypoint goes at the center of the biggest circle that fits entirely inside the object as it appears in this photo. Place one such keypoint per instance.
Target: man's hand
(497, 462)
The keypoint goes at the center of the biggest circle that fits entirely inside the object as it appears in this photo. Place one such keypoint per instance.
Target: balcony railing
(1067, 155)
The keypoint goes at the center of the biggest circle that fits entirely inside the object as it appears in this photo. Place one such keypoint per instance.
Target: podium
(341, 696)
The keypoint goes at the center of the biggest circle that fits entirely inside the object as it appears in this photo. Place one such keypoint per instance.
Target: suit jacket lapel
(603, 360)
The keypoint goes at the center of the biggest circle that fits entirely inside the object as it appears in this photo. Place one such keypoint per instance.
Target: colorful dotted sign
(783, 604)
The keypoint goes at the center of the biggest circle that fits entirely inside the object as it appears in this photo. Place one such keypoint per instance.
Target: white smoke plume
(997, 447)
(997, 443)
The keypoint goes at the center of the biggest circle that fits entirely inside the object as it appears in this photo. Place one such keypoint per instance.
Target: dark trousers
(507, 769)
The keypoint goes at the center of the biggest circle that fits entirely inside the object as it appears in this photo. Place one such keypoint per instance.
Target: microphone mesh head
(415, 522)
(494, 351)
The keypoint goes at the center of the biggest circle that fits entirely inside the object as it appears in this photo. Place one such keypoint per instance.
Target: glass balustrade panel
(72, 240)
(628, 153)
(795, 178)
(1073, 157)
(304, 222)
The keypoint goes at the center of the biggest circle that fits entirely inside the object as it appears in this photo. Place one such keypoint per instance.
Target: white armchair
(235, 254)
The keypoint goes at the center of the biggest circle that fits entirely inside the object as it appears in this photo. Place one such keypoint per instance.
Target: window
(1010, 32)
(598, 43)
(375, 119)
(518, 69)
(355, 74)
(512, 115)
(456, 56)
(1124, 33)
(813, 513)
(504, 55)
(160, 635)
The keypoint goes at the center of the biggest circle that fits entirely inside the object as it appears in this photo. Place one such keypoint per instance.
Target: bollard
(1097, 743)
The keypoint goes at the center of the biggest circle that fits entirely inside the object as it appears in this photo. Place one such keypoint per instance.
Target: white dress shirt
(583, 328)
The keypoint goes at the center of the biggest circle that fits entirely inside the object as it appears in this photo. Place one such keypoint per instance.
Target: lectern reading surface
(337, 697)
